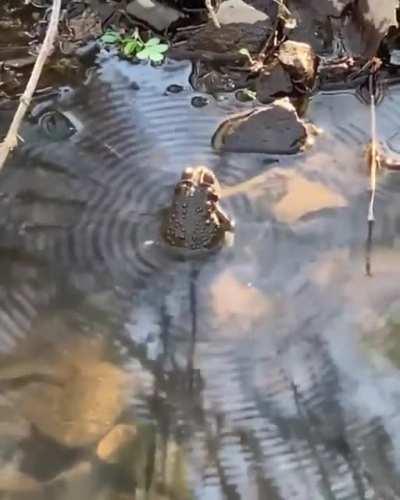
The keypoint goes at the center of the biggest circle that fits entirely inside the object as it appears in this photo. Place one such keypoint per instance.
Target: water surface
(269, 370)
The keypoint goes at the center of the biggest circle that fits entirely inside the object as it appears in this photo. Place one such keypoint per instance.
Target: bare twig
(11, 139)
(212, 13)
(373, 156)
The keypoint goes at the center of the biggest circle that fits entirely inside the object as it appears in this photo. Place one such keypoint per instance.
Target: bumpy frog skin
(195, 219)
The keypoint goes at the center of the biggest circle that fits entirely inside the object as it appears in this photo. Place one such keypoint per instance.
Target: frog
(195, 219)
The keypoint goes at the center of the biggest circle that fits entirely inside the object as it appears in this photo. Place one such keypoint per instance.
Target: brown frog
(195, 220)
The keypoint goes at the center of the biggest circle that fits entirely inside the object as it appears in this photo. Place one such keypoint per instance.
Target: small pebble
(199, 101)
(174, 89)
(134, 86)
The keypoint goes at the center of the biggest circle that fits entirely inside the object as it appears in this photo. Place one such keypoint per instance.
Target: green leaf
(110, 37)
(163, 47)
(130, 47)
(143, 54)
(156, 57)
(152, 42)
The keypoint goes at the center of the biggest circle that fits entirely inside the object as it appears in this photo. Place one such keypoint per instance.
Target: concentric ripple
(132, 141)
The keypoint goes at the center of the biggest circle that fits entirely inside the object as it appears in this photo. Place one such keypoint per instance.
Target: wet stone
(273, 81)
(199, 101)
(274, 129)
(300, 62)
(237, 11)
(134, 86)
(223, 42)
(210, 80)
(87, 52)
(154, 13)
(174, 89)
(322, 23)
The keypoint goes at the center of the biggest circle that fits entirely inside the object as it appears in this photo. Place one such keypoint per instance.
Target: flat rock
(273, 129)
(80, 411)
(213, 44)
(155, 14)
(78, 396)
(237, 11)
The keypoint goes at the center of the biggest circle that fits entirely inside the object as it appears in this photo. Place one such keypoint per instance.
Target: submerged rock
(302, 196)
(82, 409)
(274, 129)
(73, 396)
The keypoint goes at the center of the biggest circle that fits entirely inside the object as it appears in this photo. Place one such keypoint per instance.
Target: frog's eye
(187, 173)
(207, 178)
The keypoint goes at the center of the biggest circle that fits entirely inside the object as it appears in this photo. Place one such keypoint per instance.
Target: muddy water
(269, 370)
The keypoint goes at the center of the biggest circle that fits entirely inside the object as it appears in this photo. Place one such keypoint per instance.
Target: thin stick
(11, 139)
(372, 179)
(374, 157)
(212, 13)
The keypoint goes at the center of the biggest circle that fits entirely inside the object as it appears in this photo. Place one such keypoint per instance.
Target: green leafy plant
(134, 46)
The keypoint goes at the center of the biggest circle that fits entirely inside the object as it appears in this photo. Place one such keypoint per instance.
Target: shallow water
(269, 370)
